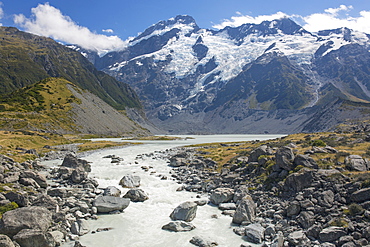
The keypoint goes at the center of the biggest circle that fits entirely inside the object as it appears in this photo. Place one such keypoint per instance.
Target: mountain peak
(162, 26)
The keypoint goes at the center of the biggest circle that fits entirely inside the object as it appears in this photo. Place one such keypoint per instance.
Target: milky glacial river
(140, 224)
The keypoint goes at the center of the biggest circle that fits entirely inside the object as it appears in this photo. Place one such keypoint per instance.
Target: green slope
(26, 59)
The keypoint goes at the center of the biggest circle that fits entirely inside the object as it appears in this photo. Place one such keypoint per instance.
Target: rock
(136, 195)
(78, 244)
(57, 236)
(278, 240)
(254, 233)
(326, 198)
(202, 242)
(80, 227)
(185, 211)
(46, 201)
(78, 175)
(112, 191)
(240, 192)
(262, 150)
(246, 211)
(298, 181)
(29, 182)
(284, 158)
(39, 178)
(5, 241)
(20, 199)
(221, 195)
(177, 161)
(34, 238)
(362, 195)
(178, 226)
(71, 161)
(130, 181)
(36, 218)
(331, 233)
(306, 161)
(227, 206)
(298, 238)
(293, 209)
(356, 163)
(57, 192)
(106, 204)
(306, 219)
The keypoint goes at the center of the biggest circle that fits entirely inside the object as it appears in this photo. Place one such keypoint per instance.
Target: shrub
(8, 207)
(355, 209)
(318, 143)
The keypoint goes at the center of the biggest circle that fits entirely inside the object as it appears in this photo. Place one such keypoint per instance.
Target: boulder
(136, 195)
(80, 227)
(254, 233)
(5, 241)
(36, 218)
(326, 198)
(284, 158)
(185, 211)
(306, 161)
(71, 161)
(293, 209)
(58, 237)
(298, 238)
(262, 150)
(130, 181)
(34, 238)
(177, 161)
(362, 195)
(78, 175)
(356, 163)
(106, 204)
(331, 233)
(46, 201)
(221, 195)
(29, 182)
(227, 206)
(112, 191)
(297, 181)
(178, 226)
(202, 242)
(39, 178)
(20, 198)
(278, 241)
(240, 192)
(306, 219)
(246, 211)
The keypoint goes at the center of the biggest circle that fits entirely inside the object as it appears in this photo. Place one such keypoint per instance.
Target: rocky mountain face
(256, 78)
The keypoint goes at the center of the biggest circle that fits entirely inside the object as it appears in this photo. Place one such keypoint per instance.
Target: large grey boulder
(78, 175)
(221, 195)
(284, 157)
(5, 241)
(80, 227)
(246, 211)
(107, 204)
(306, 161)
(36, 218)
(38, 178)
(185, 211)
(112, 191)
(240, 192)
(136, 195)
(298, 238)
(130, 181)
(297, 181)
(356, 163)
(262, 150)
(293, 209)
(254, 233)
(34, 238)
(178, 226)
(71, 161)
(331, 233)
(203, 242)
(361, 195)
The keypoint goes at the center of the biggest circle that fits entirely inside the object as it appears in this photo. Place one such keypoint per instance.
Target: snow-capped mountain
(254, 78)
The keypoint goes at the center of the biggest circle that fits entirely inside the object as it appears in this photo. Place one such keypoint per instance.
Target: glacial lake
(140, 224)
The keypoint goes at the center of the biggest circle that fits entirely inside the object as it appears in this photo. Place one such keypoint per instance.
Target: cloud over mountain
(49, 21)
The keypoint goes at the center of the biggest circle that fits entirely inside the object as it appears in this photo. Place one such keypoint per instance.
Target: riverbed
(140, 224)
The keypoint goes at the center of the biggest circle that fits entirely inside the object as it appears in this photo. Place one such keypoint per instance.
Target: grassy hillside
(26, 59)
(44, 105)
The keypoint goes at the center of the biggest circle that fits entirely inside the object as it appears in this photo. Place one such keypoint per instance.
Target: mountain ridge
(191, 70)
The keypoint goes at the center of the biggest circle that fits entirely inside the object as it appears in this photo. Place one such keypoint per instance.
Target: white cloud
(1, 12)
(239, 20)
(108, 30)
(49, 21)
(330, 18)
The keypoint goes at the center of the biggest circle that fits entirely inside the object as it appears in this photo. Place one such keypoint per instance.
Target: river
(140, 224)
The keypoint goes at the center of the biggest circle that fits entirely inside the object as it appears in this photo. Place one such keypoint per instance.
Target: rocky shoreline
(299, 204)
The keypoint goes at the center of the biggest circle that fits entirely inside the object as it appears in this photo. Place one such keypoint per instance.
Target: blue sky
(83, 21)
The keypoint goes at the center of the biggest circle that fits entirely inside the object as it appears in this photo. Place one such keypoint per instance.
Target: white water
(140, 224)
